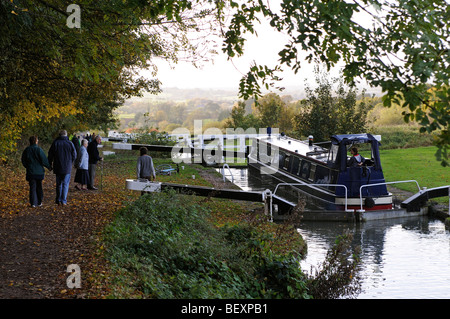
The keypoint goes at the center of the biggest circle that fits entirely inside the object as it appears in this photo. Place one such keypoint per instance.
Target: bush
(402, 136)
(338, 275)
(153, 138)
(164, 245)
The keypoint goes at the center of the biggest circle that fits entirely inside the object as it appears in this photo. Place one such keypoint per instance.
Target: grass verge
(417, 164)
(169, 245)
(165, 246)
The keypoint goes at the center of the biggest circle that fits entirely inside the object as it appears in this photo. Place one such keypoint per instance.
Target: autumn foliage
(39, 243)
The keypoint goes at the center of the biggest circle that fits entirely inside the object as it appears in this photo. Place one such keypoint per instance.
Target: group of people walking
(62, 155)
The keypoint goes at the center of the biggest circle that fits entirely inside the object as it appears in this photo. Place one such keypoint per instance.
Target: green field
(418, 164)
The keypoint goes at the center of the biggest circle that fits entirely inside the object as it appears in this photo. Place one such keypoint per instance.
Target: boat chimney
(310, 140)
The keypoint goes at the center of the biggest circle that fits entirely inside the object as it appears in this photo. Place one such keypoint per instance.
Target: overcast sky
(222, 73)
(263, 49)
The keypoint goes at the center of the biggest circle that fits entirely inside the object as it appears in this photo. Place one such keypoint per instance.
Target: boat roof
(354, 138)
(296, 146)
(315, 151)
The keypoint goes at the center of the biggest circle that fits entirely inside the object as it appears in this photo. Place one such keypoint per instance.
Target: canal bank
(438, 212)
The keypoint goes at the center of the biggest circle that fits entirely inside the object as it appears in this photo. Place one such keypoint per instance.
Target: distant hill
(178, 95)
(225, 94)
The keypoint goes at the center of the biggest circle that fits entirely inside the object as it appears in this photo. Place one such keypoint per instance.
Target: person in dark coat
(356, 159)
(76, 143)
(94, 157)
(34, 160)
(61, 156)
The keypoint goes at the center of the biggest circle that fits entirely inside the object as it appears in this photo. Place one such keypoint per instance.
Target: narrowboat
(324, 173)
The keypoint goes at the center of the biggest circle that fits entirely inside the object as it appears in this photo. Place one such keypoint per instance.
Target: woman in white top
(82, 165)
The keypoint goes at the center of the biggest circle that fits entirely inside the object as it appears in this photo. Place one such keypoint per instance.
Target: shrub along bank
(165, 246)
(168, 245)
(402, 136)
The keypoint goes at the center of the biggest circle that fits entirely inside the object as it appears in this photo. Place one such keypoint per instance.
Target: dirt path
(38, 244)
(36, 250)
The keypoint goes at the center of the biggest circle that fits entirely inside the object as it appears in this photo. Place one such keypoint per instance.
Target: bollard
(267, 198)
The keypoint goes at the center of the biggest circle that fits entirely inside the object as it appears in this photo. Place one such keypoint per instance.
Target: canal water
(402, 258)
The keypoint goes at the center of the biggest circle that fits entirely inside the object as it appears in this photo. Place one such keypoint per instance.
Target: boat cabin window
(333, 176)
(255, 149)
(296, 166)
(322, 175)
(312, 172)
(264, 149)
(269, 150)
(332, 154)
(304, 171)
(281, 157)
(264, 152)
(365, 150)
(286, 163)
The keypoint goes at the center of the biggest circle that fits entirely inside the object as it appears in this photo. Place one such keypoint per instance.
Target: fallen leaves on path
(38, 244)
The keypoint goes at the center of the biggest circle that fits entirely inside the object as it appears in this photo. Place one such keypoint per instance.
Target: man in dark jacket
(94, 157)
(356, 159)
(34, 160)
(61, 156)
(76, 142)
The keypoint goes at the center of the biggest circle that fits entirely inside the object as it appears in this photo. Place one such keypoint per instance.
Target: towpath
(38, 244)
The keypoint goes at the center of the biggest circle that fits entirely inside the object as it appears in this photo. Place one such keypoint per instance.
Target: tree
(327, 111)
(317, 116)
(401, 46)
(351, 117)
(239, 118)
(49, 70)
(287, 114)
(268, 110)
(237, 115)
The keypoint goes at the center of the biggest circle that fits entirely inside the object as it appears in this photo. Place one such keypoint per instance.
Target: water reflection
(251, 180)
(401, 258)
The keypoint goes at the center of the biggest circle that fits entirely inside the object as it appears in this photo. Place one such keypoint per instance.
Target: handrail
(301, 184)
(223, 172)
(385, 183)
